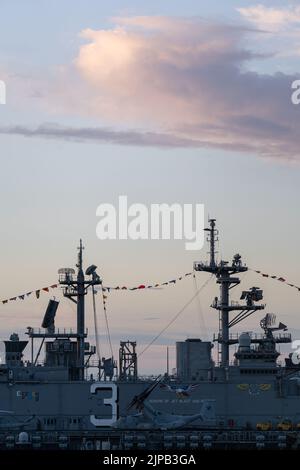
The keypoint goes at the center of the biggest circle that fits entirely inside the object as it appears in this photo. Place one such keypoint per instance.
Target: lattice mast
(76, 290)
(224, 272)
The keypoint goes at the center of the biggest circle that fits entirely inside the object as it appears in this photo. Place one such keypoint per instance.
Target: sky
(164, 102)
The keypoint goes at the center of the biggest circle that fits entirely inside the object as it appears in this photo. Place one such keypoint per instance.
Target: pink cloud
(150, 69)
(188, 76)
(271, 18)
(177, 81)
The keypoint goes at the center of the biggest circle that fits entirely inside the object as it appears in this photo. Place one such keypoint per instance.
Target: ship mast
(76, 291)
(212, 239)
(81, 292)
(224, 272)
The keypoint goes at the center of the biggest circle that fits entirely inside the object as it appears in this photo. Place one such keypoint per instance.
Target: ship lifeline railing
(57, 331)
(286, 337)
(197, 265)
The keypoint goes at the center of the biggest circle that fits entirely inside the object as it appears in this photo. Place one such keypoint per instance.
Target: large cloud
(150, 68)
(185, 82)
(281, 24)
(271, 18)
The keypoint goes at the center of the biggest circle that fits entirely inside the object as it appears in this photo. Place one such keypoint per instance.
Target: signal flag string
(96, 325)
(108, 289)
(104, 288)
(37, 293)
(277, 278)
(104, 297)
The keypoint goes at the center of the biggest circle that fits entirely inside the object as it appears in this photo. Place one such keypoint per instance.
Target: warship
(247, 399)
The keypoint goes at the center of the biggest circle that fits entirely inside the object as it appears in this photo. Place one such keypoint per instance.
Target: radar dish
(90, 270)
(270, 319)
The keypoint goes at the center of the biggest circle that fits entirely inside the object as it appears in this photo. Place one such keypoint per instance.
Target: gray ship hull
(241, 401)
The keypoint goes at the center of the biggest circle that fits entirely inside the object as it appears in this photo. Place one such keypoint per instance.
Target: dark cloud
(101, 135)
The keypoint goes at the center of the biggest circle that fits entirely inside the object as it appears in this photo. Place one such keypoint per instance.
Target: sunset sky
(164, 102)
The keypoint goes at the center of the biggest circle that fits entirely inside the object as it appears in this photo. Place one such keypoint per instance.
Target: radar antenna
(212, 238)
(224, 272)
(267, 324)
(76, 290)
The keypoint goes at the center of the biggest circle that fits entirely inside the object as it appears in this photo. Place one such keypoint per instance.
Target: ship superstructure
(245, 399)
